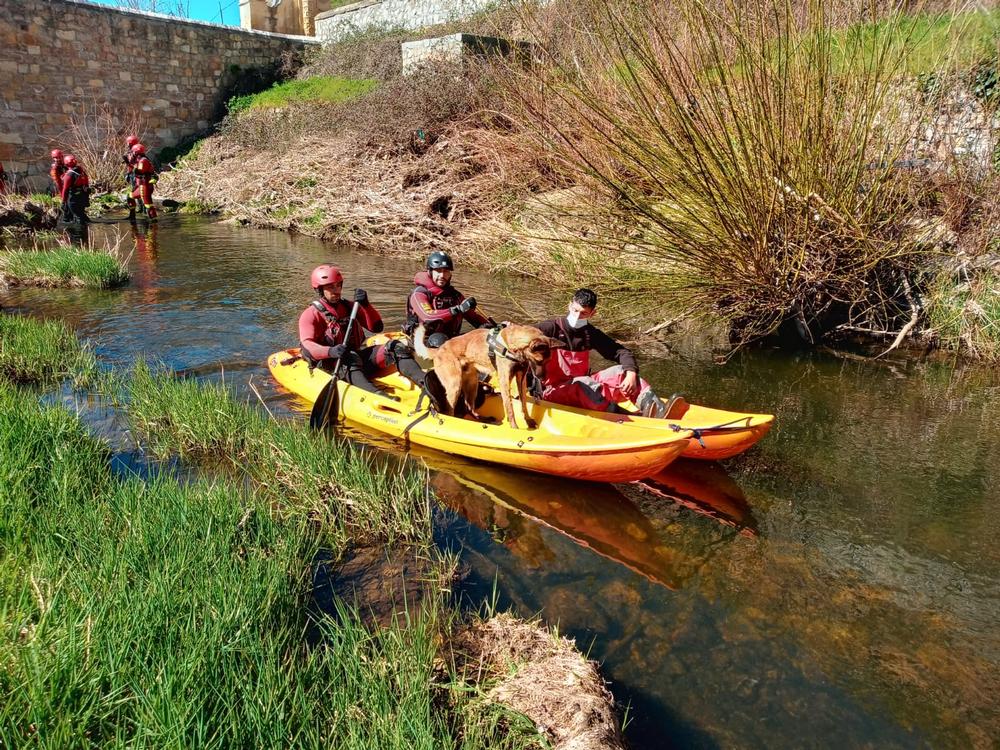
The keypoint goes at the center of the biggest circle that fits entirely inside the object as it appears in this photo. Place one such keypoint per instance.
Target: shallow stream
(838, 586)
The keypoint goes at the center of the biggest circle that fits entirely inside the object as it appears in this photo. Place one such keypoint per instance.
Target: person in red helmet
(3, 179)
(438, 306)
(324, 338)
(56, 170)
(145, 177)
(128, 159)
(75, 192)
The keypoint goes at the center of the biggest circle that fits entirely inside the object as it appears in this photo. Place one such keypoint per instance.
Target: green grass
(64, 266)
(44, 199)
(169, 615)
(42, 352)
(966, 316)
(336, 484)
(928, 43)
(197, 207)
(333, 89)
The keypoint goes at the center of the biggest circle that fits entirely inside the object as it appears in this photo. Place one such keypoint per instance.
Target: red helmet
(138, 149)
(56, 154)
(325, 274)
(132, 140)
(69, 160)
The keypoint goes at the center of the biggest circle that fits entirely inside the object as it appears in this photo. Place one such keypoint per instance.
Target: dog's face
(531, 346)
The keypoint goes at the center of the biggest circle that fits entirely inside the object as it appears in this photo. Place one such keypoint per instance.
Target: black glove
(338, 351)
(361, 297)
(488, 326)
(469, 303)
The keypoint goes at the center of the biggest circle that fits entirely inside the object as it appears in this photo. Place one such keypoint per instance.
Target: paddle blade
(325, 406)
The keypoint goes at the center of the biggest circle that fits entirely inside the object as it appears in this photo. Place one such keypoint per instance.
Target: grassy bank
(64, 266)
(42, 352)
(339, 486)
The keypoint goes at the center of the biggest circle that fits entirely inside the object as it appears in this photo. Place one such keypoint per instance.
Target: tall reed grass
(42, 352)
(745, 153)
(336, 484)
(168, 615)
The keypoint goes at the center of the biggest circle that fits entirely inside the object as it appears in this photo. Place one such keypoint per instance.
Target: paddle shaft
(329, 397)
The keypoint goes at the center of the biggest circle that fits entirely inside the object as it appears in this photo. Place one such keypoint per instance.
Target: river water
(837, 586)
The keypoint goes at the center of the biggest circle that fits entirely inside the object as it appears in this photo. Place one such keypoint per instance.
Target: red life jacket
(78, 179)
(441, 298)
(564, 365)
(143, 169)
(56, 172)
(337, 317)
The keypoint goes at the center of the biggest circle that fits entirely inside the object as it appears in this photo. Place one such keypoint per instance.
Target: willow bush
(746, 152)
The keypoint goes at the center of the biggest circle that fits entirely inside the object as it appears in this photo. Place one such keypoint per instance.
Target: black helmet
(438, 260)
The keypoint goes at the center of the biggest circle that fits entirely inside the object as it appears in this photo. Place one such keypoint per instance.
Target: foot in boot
(651, 405)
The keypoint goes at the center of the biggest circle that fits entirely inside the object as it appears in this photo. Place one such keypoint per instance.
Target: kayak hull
(718, 434)
(564, 444)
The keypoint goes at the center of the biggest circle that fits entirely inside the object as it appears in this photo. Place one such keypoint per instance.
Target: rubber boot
(651, 405)
(410, 370)
(151, 211)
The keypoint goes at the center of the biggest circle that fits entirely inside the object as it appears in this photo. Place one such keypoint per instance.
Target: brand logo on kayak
(381, 417)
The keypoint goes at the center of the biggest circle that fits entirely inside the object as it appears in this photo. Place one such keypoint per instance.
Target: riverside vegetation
(762, 167)
(156, 612)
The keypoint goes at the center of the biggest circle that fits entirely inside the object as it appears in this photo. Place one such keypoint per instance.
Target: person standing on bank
(325, 339)
(568, 379)
(143, 179)
(56, 171)
(128, 159)
(75, 192)
(438, 306)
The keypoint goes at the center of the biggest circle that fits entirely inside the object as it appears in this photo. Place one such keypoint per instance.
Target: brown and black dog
(509, 352)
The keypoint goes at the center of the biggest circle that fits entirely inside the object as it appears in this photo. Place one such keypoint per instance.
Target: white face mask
(573, 320)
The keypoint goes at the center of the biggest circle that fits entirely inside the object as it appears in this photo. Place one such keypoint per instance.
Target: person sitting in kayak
(568, 379)
(438, 306)
(325, 339)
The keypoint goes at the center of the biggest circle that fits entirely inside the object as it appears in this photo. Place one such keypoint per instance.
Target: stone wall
(394, 14)
(60, 58)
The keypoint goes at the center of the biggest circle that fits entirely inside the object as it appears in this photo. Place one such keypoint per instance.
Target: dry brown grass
(544, 677)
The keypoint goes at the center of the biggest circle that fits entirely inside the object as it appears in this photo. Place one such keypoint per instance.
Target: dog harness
(496, 347)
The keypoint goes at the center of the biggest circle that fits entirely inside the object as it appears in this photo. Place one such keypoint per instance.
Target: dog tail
(419, 346)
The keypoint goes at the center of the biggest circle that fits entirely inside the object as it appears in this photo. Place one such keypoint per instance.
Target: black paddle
(327, 401)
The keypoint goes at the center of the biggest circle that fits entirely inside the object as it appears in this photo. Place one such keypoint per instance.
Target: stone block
(34, 49)
(455, 47)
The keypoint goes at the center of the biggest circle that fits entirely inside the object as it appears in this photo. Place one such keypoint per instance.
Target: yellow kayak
(564, 444)
(717, 433)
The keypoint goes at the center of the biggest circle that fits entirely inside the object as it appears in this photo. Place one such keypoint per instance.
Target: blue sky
(202, 10)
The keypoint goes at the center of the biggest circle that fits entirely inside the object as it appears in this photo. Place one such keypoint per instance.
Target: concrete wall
(394, 14)
(59, 57)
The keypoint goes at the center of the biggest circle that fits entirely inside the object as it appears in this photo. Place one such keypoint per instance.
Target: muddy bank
(23, 214)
